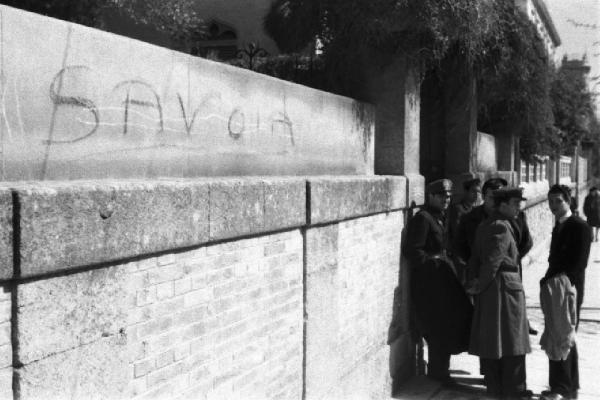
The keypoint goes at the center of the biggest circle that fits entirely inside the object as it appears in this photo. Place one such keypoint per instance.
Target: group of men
(466, 283)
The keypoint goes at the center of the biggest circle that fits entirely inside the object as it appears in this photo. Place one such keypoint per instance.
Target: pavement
(465, 368)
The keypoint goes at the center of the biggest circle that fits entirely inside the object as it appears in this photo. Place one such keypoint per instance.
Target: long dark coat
(591, 209)
(500, 325)
(443, 310)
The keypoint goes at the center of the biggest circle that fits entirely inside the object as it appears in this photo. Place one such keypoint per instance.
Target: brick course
(213, 319)
(352, 270)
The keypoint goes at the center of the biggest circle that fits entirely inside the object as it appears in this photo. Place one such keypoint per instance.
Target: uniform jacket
(455, 213)
(558, 299)
(500, 325)
(464, 240)
(443, 310)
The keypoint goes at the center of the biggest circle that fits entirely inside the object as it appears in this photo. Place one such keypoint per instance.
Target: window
(524, 176)
(531, 171)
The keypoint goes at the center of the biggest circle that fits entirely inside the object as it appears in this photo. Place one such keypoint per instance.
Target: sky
(568, 17)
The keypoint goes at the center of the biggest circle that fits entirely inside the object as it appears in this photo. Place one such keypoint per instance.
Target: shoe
(446, 380)
(549, 395)
(524, 395)
(533, 331)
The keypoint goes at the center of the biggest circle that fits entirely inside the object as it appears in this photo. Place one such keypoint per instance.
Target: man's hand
(472, 287)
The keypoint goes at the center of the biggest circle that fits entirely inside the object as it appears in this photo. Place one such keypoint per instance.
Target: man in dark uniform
(471, 195)
(569, 252)
(443, 310)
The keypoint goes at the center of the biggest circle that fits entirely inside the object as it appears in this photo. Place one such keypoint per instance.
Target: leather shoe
(524, 395)
(549, 395)
(532, 331)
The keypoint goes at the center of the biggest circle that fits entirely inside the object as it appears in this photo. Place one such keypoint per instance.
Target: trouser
(438, 362)
(564, 375)
(579, 286)
(505, 376)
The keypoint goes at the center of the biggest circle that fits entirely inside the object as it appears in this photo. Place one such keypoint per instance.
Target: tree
(514, 85)
(352, 32)
(572, 103)
(177, 18)
(85, 12)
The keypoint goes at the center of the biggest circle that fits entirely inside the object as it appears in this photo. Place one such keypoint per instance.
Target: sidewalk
(465, 368)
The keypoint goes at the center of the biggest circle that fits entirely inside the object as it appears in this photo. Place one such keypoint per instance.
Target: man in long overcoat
(443, 310)
(499, 332)
(464, 239)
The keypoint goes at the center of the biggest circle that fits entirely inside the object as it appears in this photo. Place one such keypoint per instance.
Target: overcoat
(443, 309)
(499, 325)
(591, 209)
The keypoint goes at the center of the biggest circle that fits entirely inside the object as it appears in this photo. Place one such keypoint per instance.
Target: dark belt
(508, 268)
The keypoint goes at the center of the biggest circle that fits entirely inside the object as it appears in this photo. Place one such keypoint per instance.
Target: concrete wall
(130, 109)
(254, 288)
(485, 158)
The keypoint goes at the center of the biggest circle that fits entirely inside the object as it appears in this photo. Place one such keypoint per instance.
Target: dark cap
(440, 186)
(509, 193)
(471, 182)
(493, 184)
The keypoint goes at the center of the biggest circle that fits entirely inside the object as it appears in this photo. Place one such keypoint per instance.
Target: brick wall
(222, 320)
(5, 344)
(352, 270)
(151, 291)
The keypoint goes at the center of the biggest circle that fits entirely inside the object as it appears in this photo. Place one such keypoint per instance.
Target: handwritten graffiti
(72, 101)
(281, 119)
(136, 100)
(129, 101)
(188, 123)
(236, 123)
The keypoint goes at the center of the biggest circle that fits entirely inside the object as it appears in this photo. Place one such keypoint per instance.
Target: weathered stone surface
(6, 375)
(251, 205)
(416, 189)
(338, 198)
(6, 234)
(351, 272)
(98, 370)
(59, 314)
(237, 207)
(323, 323)
(285, 203)
(65, 225)
(396, 192)
(121, 108)
(395, 91)
(535, 192)
(485, 152)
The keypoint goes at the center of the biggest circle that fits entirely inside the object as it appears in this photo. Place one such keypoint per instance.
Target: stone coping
(65, 225)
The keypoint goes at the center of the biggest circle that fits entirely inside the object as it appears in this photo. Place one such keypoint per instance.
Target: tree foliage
(572, 106)
(514, 84)
(177, 18)
(348, 32)
(518, 88)
(85, 12)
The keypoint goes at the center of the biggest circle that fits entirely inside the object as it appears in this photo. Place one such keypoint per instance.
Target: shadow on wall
(402, 339)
